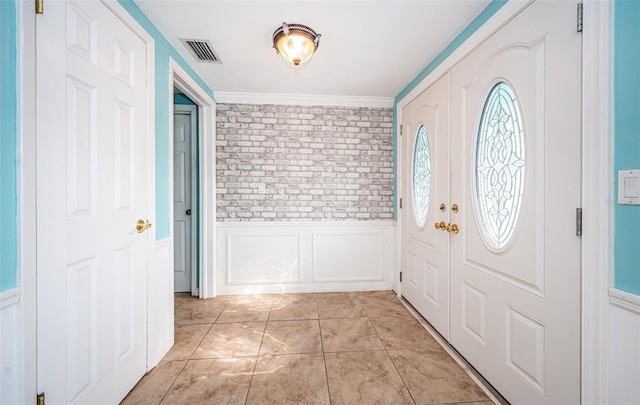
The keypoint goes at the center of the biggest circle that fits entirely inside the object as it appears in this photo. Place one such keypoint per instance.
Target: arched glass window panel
(499, 166)
(421, 175)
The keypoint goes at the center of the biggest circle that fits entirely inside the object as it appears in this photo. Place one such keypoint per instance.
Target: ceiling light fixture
(296, 43)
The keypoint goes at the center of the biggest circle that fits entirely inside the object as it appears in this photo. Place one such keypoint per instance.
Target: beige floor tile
(364, 378)
(340, 308)
(434, 377)
(248, 309)
(292, 307)
(291, 379)
(194, 310)
(403, 333)
(231, 340)
(377, 306)
(212, 381)
(289, 337)
(346, 335)
(153, 386)
(187, 338)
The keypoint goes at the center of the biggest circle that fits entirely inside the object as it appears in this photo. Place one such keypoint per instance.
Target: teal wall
(627, 140)
(482, 18)
(163, 51)
(8, 146)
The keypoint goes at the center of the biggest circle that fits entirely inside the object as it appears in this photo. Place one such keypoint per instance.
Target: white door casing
(425, 254)
(184, 208)
(93, 146)
(515, 310)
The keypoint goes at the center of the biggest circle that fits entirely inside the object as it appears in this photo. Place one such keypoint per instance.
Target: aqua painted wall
(477, 22)
(8, 148)
(163, 51)
(627, 140)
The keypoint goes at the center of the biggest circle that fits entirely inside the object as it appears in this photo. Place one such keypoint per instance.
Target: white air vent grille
(201, 50)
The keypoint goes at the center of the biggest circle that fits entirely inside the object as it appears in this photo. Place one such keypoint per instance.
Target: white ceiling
(367, 48)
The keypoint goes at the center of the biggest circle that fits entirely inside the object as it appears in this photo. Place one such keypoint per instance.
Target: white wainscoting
(11, 349)
(275, 257)
(624, 348)
(160, 302)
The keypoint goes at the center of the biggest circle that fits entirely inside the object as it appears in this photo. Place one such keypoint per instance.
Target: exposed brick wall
(315, 163)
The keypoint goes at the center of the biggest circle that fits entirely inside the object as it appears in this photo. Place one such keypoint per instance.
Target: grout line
(324, 360)
(174, 380)
(454, 354)
(258, 355)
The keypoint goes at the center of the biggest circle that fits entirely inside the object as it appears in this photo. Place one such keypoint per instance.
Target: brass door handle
(453, 228)
(142, 226)
(441, 225)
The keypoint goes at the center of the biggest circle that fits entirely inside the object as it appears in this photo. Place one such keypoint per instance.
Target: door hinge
(578, 221)
(39, 6)
(400, 130)
(580, 16)
(401, 203)
(401, 277)
(40, 399)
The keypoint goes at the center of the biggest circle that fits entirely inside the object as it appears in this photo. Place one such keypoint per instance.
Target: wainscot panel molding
(160, 302)
(290, 257)
(624, 348)
(11, 346)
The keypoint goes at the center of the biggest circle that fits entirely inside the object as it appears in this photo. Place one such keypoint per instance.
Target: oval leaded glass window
(499, 166)
(421, 176)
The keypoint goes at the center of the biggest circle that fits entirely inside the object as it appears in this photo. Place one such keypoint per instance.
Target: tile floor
(325, 348)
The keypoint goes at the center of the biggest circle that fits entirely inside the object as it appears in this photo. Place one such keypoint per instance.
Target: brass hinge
(401, 203)
(39, 10)
(400, 130)
(401, 277)
(40, 399)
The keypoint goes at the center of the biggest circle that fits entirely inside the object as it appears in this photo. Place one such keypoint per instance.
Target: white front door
(183, 209)
(93, 150)
(515, 264)
(425, 254)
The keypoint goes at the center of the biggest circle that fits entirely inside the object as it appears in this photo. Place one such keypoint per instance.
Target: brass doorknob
(441, 225)
(454, 208)
(453, 228)
(142, 226)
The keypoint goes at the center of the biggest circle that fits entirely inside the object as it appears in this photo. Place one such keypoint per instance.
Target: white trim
(624, 300)
(302, 99)
(493, 24)
(191, 111)
(27, 236)
(10, 297)
(597, 186)
(289, 224)
(179, 78)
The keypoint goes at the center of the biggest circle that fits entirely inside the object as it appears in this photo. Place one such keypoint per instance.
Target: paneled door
(425, 215)
(515, 174)
(183, 210)
(93, 147)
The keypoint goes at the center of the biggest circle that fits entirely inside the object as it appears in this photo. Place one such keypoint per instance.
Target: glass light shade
(295, 43)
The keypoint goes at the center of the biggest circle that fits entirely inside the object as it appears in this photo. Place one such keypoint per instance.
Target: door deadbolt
(188, 212)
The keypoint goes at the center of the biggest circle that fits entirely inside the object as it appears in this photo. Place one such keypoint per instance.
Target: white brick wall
(281, 162)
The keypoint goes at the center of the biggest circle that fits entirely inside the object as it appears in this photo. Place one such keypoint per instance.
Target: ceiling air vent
(202, 50)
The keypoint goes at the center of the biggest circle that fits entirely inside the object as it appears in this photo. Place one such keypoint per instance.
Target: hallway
(338, 348)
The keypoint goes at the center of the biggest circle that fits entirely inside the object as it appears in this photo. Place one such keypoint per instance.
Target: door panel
(426, 249)
(515, 309)
(182, 180)
(92, 151)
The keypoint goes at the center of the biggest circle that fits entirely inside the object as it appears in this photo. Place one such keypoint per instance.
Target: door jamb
(180, 79)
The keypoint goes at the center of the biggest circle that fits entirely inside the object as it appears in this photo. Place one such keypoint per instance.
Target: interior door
(92, 187)
(515, 264)
(182, 199)
(425, 187)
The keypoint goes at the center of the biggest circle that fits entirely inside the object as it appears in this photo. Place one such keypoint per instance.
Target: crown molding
(303, 99)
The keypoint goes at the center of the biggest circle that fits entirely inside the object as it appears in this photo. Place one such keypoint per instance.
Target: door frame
(180, 79)
(191, 111)
(597, 177)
